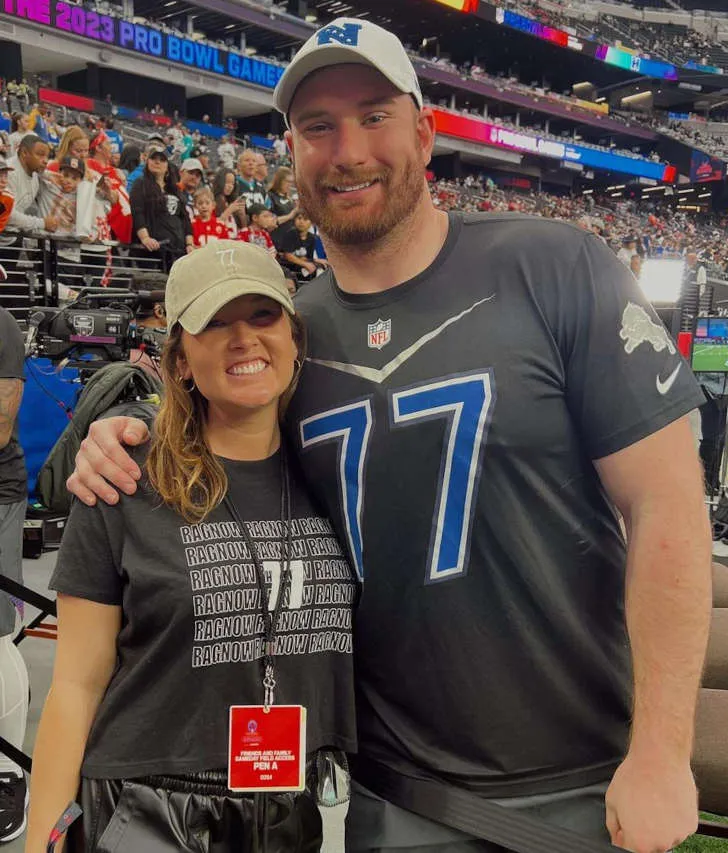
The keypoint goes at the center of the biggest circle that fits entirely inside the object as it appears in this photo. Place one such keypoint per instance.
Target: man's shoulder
(520, 226)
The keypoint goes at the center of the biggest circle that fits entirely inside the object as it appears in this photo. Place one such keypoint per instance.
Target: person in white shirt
(24, 185)
(629, 248)
(227, 153)
(20, 127)
(29, 162)
(280, 147)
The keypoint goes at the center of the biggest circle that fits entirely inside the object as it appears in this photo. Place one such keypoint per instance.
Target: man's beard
(351, 226)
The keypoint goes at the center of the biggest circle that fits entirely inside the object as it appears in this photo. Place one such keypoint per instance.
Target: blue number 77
(351, 426)
(466, 402)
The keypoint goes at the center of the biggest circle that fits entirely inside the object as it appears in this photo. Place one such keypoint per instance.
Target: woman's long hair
(218, 190)
(130, 158)
(72, 134)
(281, 174)
(181, 467)
(153, 194)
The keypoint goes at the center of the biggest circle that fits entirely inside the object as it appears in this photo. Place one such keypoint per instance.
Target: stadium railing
(39, 265)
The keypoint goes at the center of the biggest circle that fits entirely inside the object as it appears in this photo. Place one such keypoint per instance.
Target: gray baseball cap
(203, 282)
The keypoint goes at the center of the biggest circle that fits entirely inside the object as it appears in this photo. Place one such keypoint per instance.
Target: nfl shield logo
(379, 334)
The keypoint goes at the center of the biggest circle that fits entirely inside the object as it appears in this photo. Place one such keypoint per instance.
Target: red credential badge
(267, 748)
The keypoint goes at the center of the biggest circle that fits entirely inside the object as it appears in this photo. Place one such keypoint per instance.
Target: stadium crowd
(228, 188)
(656, 228)
(676, 43)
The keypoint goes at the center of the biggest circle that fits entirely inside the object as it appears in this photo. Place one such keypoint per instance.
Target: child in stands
(205, 226)
(261, 223)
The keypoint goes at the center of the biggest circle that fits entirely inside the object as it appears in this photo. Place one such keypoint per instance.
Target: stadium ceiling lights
(705, 195)
(682, 192)
(652, 189)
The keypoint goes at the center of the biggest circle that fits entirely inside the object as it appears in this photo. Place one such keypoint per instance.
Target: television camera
(98, 327)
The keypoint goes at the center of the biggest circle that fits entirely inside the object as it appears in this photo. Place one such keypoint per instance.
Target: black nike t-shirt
(449, 425)
(191, 640)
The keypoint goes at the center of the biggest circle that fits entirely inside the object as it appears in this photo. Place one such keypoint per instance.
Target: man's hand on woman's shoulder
(102, 461)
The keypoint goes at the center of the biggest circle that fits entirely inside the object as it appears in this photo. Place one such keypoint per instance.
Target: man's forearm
(668, 608)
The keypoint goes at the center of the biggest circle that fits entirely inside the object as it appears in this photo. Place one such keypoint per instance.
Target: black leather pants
(187, 815)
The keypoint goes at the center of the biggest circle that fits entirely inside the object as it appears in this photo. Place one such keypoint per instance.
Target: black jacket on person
(161, 212)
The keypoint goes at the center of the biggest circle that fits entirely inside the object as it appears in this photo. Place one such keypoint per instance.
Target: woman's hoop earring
(298, 364)
(190, 388)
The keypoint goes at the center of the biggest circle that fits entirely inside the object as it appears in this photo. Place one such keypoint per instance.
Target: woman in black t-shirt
(217, 583)
(161, 222)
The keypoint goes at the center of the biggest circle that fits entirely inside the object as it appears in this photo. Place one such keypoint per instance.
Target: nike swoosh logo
(381, 375)
(664, 387)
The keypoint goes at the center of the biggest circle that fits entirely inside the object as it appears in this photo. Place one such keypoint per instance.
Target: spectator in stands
(161, 222)
(6, 197)
(24, 183)
(19, 127)
(73, 144)
(297, 247)
(281, 202)
(183, 147)
(130, 160)
(227, 152)
(138, 171)
(54, 131)
(57, 194)
(635, 264)
(191, 174)
(280, 147)
(247, 183)
(206, 227)
(37, 121)
(629, 248)
(116, 140)
(229, 203)
(261, 170)
(262, 222)
(119, 216)
(202, 153)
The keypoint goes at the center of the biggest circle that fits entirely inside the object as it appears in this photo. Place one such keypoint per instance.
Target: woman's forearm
(62, 734)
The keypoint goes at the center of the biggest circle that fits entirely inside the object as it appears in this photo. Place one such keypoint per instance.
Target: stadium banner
(485, 133)
(704, 168)
(461, 5)
(145, 40)
(611, 55)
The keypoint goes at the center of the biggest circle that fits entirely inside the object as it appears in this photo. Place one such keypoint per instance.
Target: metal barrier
(39, 267)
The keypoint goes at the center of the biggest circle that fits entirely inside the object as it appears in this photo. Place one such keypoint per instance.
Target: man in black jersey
(481, 395)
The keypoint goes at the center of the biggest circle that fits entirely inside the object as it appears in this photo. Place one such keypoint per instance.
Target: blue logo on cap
(348, 34)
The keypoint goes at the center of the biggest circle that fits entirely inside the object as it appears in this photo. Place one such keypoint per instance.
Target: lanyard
(270, 620)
